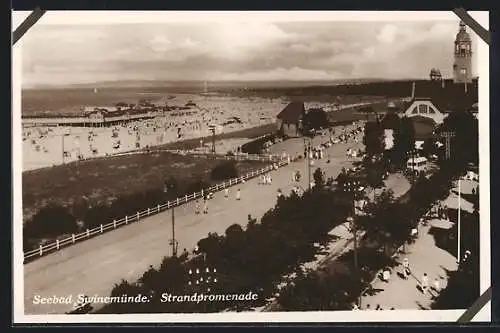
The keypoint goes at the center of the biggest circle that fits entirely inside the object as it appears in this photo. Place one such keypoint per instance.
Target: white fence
(89, 233)
(235, 156)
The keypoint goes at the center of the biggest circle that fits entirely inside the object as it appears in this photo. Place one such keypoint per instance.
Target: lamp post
(212, 130)
(173, 241)
(307, 150)
(202, 279)
(459, 218)
(412, 156)
(62, 143)
(354, 187)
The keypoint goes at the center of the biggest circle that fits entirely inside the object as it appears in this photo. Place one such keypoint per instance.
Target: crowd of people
(425, 283)
(42, 145)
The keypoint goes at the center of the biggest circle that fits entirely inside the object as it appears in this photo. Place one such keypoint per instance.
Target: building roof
(462, 34)
(292, 112)
(446, 95)
(92, 108)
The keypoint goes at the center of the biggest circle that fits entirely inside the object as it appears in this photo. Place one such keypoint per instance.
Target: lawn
(103, 180)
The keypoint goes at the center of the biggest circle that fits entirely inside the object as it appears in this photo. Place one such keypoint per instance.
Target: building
(106, 109)
(417, 164)
(424, 108)
(289, 120)
(96, 118)
(462, 66)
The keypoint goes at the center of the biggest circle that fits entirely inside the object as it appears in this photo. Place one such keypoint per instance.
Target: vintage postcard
(250, 167)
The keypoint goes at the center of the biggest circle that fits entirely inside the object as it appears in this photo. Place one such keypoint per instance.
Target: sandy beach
(49, 146)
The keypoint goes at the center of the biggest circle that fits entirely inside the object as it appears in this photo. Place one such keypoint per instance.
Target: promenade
(424, 256)
(93, 266)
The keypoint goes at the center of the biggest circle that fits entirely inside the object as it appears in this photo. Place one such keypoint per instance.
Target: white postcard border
(106, 17)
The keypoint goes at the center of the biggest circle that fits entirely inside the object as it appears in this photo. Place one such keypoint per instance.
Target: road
(94, 266)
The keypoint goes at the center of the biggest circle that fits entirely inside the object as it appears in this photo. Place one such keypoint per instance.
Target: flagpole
(459, 217)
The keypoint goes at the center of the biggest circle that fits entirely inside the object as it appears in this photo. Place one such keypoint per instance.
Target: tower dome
(462, 35)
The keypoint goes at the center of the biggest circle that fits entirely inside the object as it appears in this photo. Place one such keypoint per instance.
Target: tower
(462, 66)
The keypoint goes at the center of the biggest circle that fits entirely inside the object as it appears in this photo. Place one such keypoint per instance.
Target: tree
(319, 178)
(211, 246)
(320, 292)
(196, 186)
(465, 142)
(404, 142)
(127, 289)
(388, 222)
(373, 139)
(225, 170)
(100, 214)
(374, 175)
(315, 119)
(391, 121)
(429, 147)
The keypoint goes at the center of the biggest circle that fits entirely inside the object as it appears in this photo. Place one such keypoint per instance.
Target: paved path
(424, 257)
(93, 266)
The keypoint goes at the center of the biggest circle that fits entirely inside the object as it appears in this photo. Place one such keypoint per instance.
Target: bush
(225, 170)
(100, 214)
(315, 119)
(50, 221)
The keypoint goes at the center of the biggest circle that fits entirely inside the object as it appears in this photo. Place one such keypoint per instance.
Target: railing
(89, 233)
(235, 156)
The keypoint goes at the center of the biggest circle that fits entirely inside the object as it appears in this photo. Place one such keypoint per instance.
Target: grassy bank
(103, 180)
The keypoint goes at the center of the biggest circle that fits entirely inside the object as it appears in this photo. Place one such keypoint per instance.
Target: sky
(249, 50)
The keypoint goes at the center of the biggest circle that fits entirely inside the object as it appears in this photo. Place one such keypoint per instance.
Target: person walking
(238, 195)
(425, 283)
(197, 207)
(437, 285)
(406, 268)
(205, 206)
(386, 275)
(226, 192)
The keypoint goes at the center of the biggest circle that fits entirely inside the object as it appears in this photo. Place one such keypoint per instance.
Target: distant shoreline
(138, 84)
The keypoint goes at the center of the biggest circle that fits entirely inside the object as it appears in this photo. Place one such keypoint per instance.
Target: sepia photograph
(250, 166)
